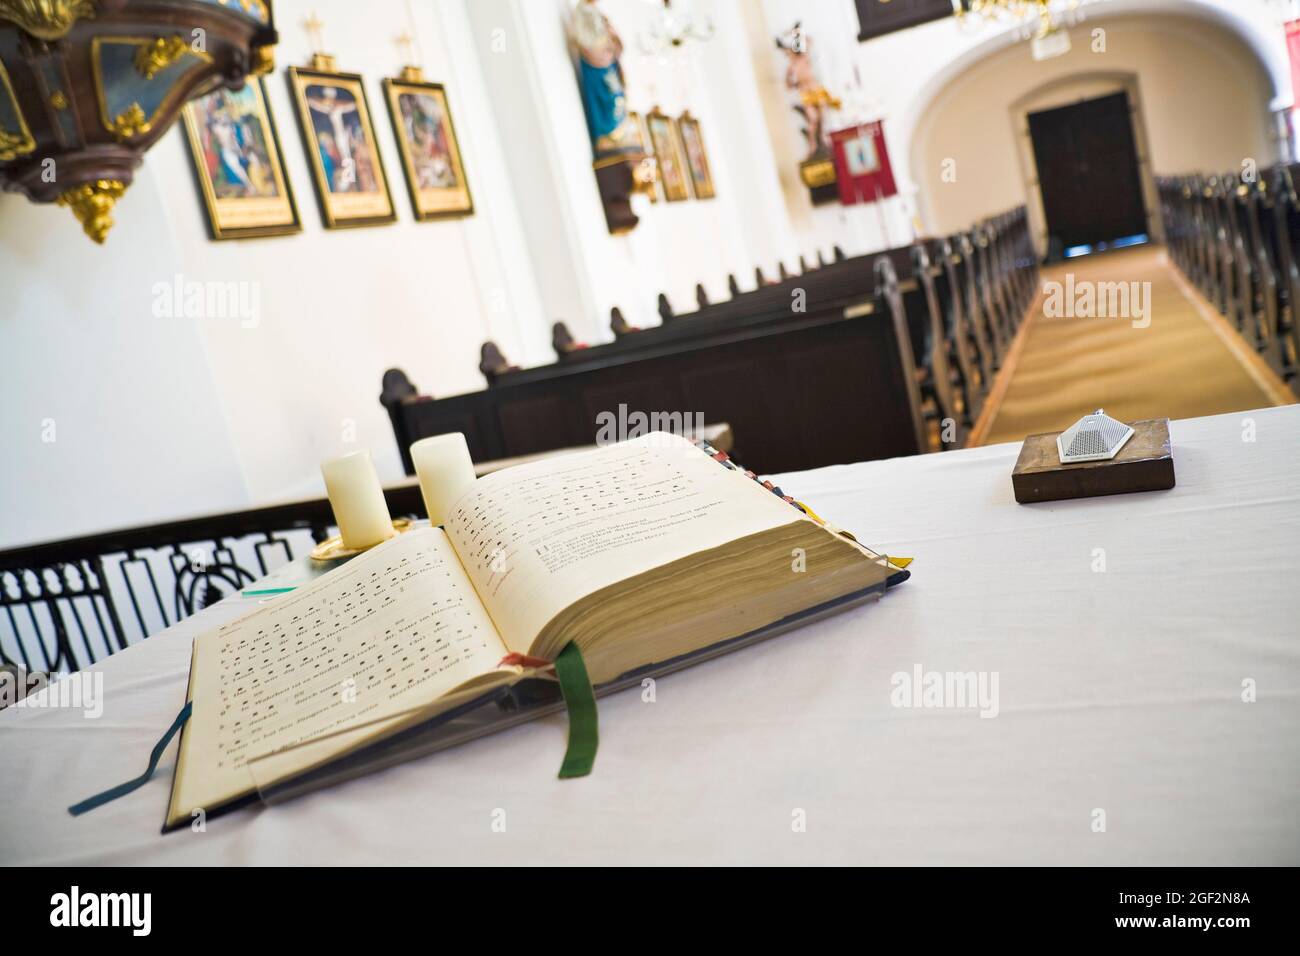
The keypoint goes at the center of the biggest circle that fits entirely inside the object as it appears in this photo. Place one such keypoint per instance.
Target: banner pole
(880, 211)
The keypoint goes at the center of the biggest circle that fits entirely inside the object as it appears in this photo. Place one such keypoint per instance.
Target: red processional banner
(1293, 50)
(862, 163)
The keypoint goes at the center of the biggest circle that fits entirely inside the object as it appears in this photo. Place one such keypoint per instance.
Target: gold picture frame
(668, 154)
(697, 156)
(648, 187)
(239, 166)
(426, 138)
(338, 133)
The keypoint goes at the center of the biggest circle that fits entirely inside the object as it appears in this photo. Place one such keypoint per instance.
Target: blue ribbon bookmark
(122, 789)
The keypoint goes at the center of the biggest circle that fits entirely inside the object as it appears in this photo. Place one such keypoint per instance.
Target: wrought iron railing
(68, 604)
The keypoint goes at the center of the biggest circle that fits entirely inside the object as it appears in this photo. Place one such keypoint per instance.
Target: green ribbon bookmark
(580, 756)
(122, 789)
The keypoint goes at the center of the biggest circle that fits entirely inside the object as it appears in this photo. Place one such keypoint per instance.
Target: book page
(389, 632)
(541, 536)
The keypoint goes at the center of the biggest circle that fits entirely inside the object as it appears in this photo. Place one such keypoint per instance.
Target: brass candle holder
(332, 549)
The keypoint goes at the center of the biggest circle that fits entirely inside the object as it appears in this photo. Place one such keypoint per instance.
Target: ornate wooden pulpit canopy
(87, 86)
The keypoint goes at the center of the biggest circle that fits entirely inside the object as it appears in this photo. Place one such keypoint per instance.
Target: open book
(639, 553)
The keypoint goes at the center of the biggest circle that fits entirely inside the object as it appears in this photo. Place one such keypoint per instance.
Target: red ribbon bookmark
(523, 660)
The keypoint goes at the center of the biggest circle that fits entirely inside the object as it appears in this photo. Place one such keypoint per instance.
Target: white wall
(130, 402)
(157, 418)
(676, 245)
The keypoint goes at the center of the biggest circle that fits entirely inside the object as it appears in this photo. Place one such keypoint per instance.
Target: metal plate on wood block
(1145, 463)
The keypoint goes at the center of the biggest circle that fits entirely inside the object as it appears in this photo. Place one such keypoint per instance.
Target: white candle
(446, 472)
(360, 510)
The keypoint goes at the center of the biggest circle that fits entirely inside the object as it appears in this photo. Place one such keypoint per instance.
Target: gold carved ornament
(263, 60)
(155, 57)
(131, 122)
(92, 204)
(46, 19)
(13, 145)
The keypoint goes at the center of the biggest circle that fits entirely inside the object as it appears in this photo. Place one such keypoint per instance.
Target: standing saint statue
(600, 77)
(814, 99)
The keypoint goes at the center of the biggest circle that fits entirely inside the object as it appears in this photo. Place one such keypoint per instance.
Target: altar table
(1146, 650)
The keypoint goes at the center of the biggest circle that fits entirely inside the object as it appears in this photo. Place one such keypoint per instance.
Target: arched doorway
(1199, 98)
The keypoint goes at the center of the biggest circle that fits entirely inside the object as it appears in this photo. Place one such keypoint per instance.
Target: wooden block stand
(1146, 463)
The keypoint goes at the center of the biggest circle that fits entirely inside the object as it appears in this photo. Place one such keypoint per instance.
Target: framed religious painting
(339, 136)
(697, 158)
(637, 136)
(238, 164)
(426, 138)
(668, 152)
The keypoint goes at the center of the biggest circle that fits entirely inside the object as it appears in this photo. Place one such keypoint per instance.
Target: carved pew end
(620, 325)
(563, 342)
(493, 363)
(665, 309)
(396, 388)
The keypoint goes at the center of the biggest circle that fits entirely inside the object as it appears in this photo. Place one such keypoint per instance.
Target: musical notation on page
(324, 659)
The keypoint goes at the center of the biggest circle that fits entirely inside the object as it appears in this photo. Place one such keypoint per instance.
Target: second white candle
(445, 470)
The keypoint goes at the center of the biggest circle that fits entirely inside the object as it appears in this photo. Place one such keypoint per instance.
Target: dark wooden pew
(977, 319)
(1285, 235)
(952, 305)
(1237, 238)
(1001, 277)
(823, 388)
(958, 330)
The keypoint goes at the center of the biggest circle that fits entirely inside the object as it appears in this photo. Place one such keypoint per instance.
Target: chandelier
(1049, 15)
(88, 86)
(672, 28)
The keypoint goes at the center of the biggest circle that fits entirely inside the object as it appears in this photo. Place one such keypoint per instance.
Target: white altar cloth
(1119, 690)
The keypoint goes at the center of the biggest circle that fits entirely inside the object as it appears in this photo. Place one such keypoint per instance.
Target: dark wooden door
(1088, 172)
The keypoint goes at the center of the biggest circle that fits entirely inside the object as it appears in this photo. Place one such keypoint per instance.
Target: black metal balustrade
(68, 604)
